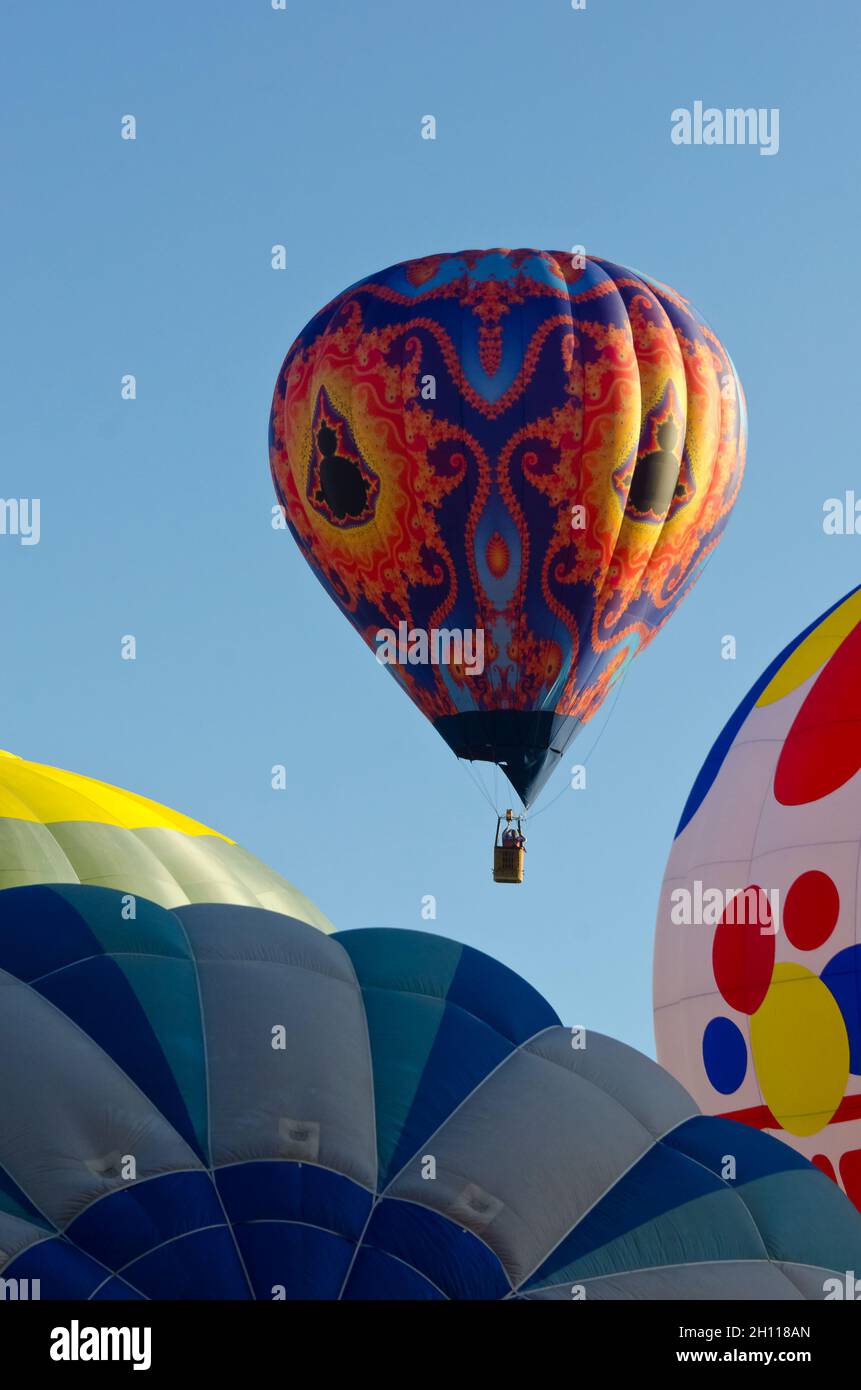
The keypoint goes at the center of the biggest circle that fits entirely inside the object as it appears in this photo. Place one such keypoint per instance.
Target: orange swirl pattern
(500, 441)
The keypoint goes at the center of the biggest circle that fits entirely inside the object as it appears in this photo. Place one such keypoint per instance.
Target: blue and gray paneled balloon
(223, 1102)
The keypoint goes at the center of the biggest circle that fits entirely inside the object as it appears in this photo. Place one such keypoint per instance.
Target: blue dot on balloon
(724, 1055)
(842, 975)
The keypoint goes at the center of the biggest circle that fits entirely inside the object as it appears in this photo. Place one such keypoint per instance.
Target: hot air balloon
(221, 1102)
(60, 827)
(758, 955)
(507, 468)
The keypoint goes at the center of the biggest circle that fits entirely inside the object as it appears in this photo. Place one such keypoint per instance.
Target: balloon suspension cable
(477, 783)
(600, 734)
(493, 802)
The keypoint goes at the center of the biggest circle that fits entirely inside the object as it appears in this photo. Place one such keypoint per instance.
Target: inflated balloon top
(219, 1102)
(60, 827)
(506, 468)
(758, 945)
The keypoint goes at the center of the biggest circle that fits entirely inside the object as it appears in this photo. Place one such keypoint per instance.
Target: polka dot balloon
(758, 945)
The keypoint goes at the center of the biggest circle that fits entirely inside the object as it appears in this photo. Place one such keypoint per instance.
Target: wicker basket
(507, 864)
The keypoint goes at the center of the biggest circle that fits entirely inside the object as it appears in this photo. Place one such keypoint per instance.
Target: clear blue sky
(152, 257)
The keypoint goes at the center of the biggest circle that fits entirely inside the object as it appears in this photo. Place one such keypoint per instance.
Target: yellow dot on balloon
(800, 1049)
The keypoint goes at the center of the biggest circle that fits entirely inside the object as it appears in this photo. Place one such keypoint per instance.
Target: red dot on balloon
(743, 950)
(850, 1173)
(811, 910)
(823, 747)
(825, 1165)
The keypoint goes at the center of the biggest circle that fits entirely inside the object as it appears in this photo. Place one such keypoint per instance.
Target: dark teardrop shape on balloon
(342, 486)
(656, 474)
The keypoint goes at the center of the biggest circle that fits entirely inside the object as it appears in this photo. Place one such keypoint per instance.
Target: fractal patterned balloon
(507, 471)
(758, 951)
(221, 1102)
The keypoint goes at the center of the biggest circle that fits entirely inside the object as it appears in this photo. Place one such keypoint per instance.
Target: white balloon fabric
(757, 981)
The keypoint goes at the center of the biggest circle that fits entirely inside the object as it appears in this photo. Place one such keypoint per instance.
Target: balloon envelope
(757, 1005)
(220, 1102)
(507, 470)
(60, 827)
